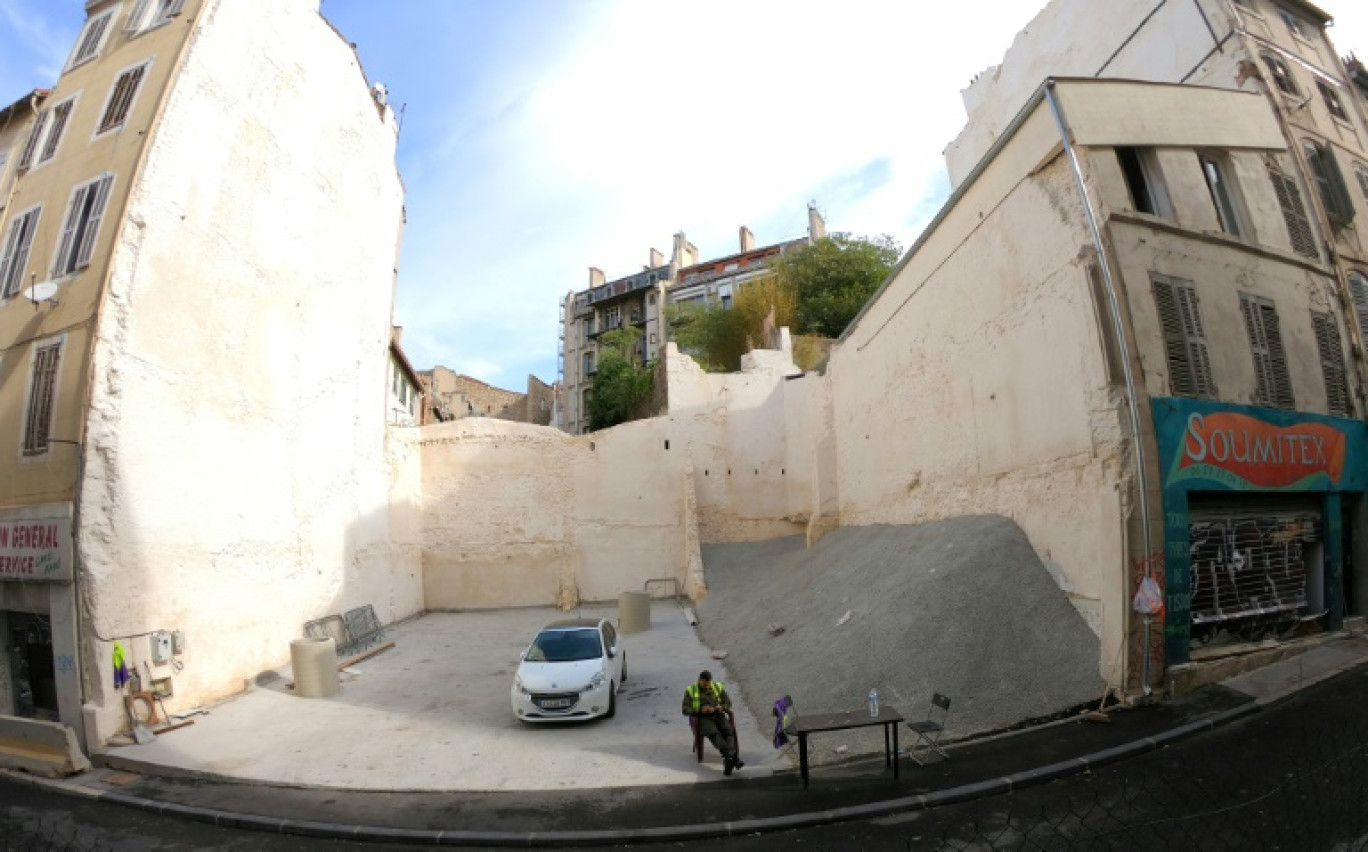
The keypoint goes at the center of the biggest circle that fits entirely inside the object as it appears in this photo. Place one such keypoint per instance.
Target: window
(14, 260)
(121, 98)
(60, 114)
(89, 43)
(1332, 364)
(1294, 24)
(1358, 292)
(81, 225)
(47, 134)
(1335, 195)
(588, 364)
(42, 391)
(1143, 179)
(147, 14)
(1332, 100)
(1294, 213)
(1273, 387)
(1282, 75)
(612, 317)
(1224, 194)
(1184, 341)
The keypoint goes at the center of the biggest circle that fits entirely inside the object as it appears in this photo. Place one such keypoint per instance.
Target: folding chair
(698, 734)
(929, 730)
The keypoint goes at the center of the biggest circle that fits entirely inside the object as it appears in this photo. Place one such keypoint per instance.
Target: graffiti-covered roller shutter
(1249, 567)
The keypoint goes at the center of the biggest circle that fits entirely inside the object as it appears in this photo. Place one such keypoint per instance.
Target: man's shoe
(739, 763)
(727, 766)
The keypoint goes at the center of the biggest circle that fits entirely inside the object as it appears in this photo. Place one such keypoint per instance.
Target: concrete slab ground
(432, 713)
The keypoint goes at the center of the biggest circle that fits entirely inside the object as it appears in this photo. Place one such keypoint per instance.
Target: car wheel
(612, 701)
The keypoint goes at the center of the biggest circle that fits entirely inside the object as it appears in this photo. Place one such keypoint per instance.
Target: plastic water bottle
(873, 703)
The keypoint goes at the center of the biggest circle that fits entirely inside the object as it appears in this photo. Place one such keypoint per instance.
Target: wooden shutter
(1294, 214)
(1184, 340)
(38, 423)
(135, 18)
(1274, 385)
(15, 258)
(1358, 291)
(69, 228)
(1332, 364)
(100, 190)
(95, 31)
(60, 114)
(31, 147)
(116, 112)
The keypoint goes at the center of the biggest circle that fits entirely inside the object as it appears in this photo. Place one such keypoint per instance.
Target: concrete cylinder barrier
(314, 662)
(634, 612)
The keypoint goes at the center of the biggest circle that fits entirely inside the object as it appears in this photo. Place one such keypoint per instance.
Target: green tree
(712, 335)
(622, 384)
(833, 278)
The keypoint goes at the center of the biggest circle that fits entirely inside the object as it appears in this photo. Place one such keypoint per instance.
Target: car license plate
(553, 703)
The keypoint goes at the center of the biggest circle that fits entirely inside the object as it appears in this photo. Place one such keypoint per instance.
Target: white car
(572, 670)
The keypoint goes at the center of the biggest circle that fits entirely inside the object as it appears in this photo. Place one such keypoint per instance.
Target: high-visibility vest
(696, 699)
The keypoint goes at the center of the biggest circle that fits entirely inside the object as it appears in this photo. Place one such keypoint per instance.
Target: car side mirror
(612, 651)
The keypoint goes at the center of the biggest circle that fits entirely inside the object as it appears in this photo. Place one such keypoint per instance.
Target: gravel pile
(962, 606)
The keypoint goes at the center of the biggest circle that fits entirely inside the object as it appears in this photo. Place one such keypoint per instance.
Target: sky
(542, 137)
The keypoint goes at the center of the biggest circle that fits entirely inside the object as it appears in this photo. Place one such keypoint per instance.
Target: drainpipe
(1115, 305)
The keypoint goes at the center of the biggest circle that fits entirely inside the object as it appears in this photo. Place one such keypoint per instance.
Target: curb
(952, 795)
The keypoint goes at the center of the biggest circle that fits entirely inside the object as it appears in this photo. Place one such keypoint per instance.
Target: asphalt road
(1294, 777)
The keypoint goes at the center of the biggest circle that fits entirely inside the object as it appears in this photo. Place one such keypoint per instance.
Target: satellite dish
(43, 291)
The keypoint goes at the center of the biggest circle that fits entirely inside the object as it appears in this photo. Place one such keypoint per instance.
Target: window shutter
(1332, 364)
(69, 228)
(60, 114)
(121, 99)
(1274, 385)
(97, 206)
(32, 146)
(1294, 214)
(44, 385)
(1339, 209)
(1184, 340)
(1344, 204)
(95, 31)
(135, 18)
(1358, 291)
(15, 259)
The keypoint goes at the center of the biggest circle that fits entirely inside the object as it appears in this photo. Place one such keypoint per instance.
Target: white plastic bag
(1148, 599)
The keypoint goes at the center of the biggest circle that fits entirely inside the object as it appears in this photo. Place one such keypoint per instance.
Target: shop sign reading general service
(35, 549)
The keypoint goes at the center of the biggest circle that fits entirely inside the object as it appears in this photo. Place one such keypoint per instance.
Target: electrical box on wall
(161, 647)
(178, 642)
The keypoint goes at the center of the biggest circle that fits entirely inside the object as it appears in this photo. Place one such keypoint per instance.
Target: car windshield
(564, 646)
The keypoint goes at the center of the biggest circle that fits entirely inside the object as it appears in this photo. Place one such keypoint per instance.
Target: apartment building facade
(641, 301)
(1137, 328)
(196, 290)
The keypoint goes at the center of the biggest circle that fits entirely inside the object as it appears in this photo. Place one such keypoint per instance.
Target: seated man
(708, 702)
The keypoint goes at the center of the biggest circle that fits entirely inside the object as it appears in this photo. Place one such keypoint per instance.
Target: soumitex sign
(35, 545)
(1208, 445)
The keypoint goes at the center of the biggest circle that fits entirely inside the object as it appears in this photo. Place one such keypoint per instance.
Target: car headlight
(597, 680)
(518, 685)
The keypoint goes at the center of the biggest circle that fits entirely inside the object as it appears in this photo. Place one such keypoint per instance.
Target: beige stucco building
(1137, 328)
(194, 398)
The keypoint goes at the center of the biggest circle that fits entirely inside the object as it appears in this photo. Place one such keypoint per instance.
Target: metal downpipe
(1115, 305)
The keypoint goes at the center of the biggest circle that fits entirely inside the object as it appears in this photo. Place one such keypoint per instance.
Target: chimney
(747, 239)
(595, 277)
(816, 224)
(657, 259)
(396, 334)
